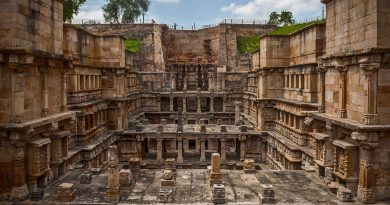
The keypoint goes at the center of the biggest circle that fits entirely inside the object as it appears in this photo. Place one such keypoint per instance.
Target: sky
(203, 12)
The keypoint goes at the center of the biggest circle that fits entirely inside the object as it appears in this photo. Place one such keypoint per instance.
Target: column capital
(370, 66)
(321, 69)
(342, 68)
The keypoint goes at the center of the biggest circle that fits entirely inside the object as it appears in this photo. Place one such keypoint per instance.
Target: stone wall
(35, 25)
(307, 45)
(150, 57)
(366, 22)
(89, 49)
(274, 51)
(203, 46)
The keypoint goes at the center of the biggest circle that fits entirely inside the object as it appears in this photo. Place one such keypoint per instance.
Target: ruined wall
(307, 45)
(274, 51)
(150, 57)
(362, 18)
(35, 25)
(89, 49)
(191, 46)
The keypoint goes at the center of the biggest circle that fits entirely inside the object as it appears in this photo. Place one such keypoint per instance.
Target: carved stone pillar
(242, 140)
(211, 104)
(180, 150)
(224, 103)
(223, 149)
(159, 150)
(211, 80)
(263, 83)
(44, 69)
(202, 149)
(19, 190)
(158, 103)
(237, 113)
(184, 104)
(198, 105)
(171, 103)
(18, 83)
(370, 115)
(368, 167)
(260, 116)
(113, 187)
(343, 90)
(173, 82)
(322, 73)
(139, 147)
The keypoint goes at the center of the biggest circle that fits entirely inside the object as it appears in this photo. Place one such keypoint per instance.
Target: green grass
(248, 44)
(133, 45)
(285, 30)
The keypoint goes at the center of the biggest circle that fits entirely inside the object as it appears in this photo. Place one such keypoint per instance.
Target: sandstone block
(66, 192)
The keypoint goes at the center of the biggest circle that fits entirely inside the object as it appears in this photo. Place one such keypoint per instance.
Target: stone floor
(291, 187)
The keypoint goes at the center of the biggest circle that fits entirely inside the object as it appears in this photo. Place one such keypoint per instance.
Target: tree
(274, 18)
(285, 18)
(125, 11)
(71, 8)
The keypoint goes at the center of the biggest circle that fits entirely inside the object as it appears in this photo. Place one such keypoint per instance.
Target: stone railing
(83, 96)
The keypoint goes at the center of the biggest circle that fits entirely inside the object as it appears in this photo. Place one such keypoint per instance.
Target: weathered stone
(86, 178)
(218, 194)
(66, 192)
(125, 177)
(37, 194)
(344, 194)
(215, 173)
(267, 195)
(249, 166)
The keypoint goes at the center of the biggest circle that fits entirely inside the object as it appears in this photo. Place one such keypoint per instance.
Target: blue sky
(203, 12)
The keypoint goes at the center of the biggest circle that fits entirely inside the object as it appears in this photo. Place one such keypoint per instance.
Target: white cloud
(260, 9)
(90, 14)
(168, 1)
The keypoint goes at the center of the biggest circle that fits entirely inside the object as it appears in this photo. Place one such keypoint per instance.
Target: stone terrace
(291, 187)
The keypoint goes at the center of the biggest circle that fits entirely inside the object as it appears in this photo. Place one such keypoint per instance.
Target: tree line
(127, 11)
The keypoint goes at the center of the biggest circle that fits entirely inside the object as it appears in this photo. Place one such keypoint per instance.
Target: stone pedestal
(168, 178)
(125, 177)
(66, 192)
(267, 194)
(344, 194)
(37, 194)
(165, 195)
(113, 194)
(19, 193)
(215, 173)
(249, 166)
(218, 194)
(86, 178)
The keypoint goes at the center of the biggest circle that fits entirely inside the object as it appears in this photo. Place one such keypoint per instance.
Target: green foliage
(133, 45)
(124, 11)
(285, 30)
(284, 18)
(274, 18)
(248, 44)
(71, 8)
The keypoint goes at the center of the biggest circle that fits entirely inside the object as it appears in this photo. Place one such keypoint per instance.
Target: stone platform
(192, 186)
